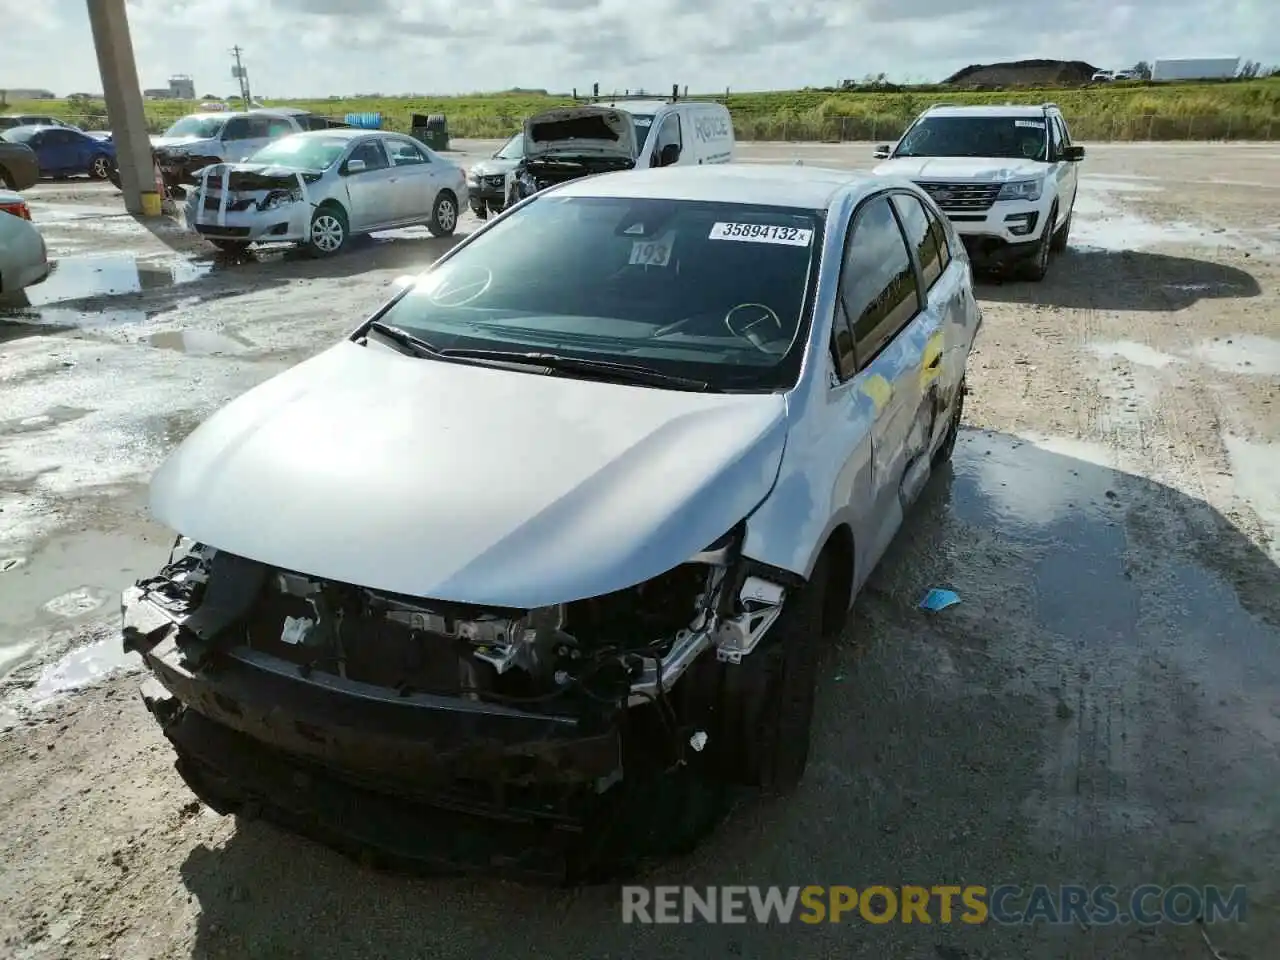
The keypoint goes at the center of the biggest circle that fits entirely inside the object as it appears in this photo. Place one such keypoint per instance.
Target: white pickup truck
(1005, 176)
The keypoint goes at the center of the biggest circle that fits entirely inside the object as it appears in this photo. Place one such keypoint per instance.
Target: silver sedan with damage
(574, 511)
(320, 188)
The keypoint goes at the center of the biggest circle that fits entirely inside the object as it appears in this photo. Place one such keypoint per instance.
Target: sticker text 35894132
(761, 233)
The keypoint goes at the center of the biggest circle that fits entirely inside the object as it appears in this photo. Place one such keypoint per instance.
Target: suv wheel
(1060, 235)
(765, 703)
(1037, 265)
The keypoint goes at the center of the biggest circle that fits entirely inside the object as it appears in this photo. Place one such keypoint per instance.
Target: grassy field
(1124, 111)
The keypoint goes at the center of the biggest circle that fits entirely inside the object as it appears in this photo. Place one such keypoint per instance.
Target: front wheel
(1037, 265)
(444, 215)
(328, 232)
(1061, 234)
(766, 701)
(100, 167)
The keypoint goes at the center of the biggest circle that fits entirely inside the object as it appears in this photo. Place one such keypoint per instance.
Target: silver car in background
(319, 188)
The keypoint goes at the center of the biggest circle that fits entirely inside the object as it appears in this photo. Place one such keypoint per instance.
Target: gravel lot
(1102, 707)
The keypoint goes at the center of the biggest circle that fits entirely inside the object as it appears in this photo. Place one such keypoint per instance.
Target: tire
(100, 167)
(6, 180)
(766, 701)
(1037, 265)
(234, 247)
(480, 210)
(329, 231)
(444, 215)
(1059, 243)
(948, 445)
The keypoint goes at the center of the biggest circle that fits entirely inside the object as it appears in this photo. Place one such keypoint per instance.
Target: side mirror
(881, 151)
(669, 155)
(1073, 154)
(354, 166)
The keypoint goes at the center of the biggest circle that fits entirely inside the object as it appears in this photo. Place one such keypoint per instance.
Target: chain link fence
(883, 129)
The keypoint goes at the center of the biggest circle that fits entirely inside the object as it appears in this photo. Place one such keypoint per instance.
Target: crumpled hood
(243, 177)
(981, 169)
(469, 483)
(492, 167)
(603, 131)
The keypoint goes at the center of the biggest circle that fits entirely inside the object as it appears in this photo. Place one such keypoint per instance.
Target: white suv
(1005, 176)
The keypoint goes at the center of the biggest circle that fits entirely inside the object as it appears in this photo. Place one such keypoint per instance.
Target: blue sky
(324, 47)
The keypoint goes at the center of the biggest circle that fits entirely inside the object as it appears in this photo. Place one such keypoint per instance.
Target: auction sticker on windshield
(651, 253)
(1033, 124)
(761, 233)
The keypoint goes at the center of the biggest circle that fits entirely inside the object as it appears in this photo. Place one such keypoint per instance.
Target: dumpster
(432, 129)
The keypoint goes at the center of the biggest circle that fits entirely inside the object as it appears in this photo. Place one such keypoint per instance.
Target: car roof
(33, 127)
(634, 106)
(782, 185)
(993, 110)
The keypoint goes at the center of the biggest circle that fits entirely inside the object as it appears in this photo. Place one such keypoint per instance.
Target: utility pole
(240, 73)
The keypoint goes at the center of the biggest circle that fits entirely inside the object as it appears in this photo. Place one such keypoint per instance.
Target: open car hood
(591, 130)
(468, 483)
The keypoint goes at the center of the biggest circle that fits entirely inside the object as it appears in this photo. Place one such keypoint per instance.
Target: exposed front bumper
(287, 223)
(444, 752)
(1006, 223)
(182, 169)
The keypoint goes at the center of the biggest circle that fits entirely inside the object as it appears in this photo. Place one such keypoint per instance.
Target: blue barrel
(366, 121)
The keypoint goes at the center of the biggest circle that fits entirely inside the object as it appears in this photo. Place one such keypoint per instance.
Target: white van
(571, 142)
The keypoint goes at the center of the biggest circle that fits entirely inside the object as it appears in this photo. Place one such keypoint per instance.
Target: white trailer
(1202, 68)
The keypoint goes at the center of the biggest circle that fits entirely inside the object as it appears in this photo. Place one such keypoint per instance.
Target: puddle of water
(1068, 506)
(78, 277)
(1244, 353)
(199, 342)
(1136, 353)
(51, 417)
(1255, 467)
(69, 577)
(81, 668)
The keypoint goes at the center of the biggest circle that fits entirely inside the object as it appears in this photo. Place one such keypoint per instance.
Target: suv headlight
(1021, 190)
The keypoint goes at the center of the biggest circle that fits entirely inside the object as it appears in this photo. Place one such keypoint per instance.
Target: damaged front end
(236, 202)
(539, 173)
(262, 676)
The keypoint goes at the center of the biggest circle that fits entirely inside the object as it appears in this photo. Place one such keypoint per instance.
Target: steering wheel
(456, 292)
(756, 314)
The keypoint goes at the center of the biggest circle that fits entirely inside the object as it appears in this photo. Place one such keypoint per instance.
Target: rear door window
(920, 236)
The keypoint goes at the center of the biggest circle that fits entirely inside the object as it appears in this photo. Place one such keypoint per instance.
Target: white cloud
(323, 47)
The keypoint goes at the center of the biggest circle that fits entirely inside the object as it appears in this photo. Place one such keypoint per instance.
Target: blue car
(65, 152)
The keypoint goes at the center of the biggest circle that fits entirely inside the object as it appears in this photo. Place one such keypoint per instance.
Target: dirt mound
(1023, 73)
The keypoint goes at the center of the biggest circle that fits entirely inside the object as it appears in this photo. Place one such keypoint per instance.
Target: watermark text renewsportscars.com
(1006, 904)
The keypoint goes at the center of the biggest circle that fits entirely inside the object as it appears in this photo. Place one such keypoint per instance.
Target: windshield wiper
(404, 339)
(616, 371)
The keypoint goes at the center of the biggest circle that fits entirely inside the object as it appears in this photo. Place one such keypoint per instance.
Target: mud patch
(1136, 353)
(1244, 353)
(199, 342)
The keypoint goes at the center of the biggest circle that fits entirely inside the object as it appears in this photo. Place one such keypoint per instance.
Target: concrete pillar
(124, 99)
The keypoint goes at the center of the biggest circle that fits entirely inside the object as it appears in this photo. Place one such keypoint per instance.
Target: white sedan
(321, 187)
(23, 259)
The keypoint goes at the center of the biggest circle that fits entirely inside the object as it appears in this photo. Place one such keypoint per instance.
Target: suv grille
(962, 197)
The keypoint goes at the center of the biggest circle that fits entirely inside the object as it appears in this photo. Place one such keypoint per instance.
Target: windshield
(205, 128)
(712, 291)
(1013, 137)
(513, 149)
(304, 152)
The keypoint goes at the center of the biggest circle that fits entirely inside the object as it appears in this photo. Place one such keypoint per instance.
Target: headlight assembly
(1021, 190)
(278, 198)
